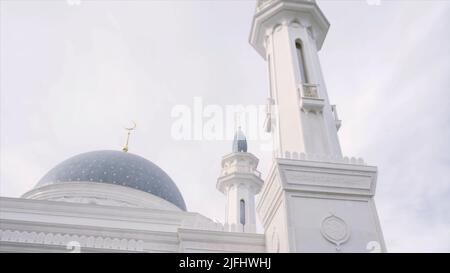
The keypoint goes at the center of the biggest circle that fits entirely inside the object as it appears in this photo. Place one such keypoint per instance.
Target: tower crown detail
(272, 13)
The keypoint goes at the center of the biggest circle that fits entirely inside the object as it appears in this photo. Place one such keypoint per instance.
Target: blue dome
(119, 168)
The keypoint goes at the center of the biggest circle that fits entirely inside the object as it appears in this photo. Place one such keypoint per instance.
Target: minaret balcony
(309, 98)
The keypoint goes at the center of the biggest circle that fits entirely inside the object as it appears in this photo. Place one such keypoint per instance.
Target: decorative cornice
(71, 240)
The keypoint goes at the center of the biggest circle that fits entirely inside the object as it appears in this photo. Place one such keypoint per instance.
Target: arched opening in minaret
(301, 61)
(242, 213)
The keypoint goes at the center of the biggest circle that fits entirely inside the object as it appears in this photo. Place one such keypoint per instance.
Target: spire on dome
(239, 142)
(128, 129)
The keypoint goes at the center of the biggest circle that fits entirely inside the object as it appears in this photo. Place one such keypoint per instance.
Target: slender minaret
(288, 34)
(313, 199)
(240, 182)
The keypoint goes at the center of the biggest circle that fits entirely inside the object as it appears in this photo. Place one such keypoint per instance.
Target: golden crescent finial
(129, 129)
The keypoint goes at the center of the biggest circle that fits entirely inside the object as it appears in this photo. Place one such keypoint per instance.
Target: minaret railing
(310, 99)
(310, 91)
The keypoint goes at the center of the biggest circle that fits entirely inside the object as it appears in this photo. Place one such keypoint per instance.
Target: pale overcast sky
(73, 74)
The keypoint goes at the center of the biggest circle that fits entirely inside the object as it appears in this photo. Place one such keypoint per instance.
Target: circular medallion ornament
(335, 230)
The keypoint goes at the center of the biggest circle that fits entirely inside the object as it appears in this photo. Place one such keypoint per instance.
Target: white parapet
(322, 158)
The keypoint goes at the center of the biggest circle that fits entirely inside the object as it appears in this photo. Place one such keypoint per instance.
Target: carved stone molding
(329, 179)
(63, 239)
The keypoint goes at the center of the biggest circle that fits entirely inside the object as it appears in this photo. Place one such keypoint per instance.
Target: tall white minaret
(289, 34)
(240, 181)
(313, 199)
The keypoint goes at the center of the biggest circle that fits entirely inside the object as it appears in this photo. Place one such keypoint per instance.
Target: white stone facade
(50, 226)
(312, 200)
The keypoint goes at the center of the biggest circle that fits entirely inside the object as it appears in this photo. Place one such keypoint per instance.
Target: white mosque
(312, 200)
